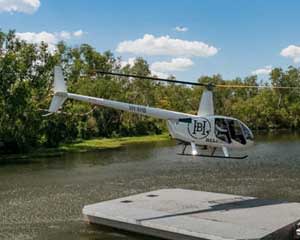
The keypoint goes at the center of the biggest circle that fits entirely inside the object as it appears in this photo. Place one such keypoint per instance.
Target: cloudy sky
(185, 38)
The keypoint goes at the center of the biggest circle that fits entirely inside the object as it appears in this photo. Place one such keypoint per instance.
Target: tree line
(26, 76)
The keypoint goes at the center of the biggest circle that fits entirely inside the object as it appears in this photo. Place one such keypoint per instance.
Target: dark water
(43, 198)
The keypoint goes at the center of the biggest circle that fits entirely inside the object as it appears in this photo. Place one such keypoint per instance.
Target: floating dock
(193, 215)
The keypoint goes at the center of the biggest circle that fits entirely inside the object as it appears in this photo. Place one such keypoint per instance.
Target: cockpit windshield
(232, 129)
(247, 133)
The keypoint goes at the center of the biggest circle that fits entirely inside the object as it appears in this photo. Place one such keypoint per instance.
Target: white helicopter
(204, 131)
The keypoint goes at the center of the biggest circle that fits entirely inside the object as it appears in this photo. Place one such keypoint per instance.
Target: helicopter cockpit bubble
(231, 130)
(247, 132)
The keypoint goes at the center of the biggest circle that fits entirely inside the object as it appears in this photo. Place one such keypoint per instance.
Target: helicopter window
(221, 130)
(247, 133)
(236, 131)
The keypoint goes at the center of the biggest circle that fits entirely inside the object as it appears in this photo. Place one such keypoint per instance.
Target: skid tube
(212, 156)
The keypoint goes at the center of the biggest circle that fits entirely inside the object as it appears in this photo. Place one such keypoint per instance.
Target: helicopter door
(236, 131)
(221, 130)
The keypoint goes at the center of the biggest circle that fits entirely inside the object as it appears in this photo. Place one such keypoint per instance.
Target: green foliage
(26, 76)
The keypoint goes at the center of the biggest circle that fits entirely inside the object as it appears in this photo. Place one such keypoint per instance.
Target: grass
(86, 146)
(109, 143)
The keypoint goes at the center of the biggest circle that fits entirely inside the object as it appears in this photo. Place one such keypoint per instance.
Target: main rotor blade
(153, 78)
(209, 86)
(252, 86)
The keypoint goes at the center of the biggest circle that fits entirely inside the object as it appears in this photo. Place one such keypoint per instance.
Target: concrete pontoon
(190, 215)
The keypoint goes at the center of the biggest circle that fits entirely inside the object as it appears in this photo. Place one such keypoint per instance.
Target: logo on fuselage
(199, 128)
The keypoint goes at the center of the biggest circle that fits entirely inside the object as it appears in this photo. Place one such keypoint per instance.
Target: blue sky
(247, 35)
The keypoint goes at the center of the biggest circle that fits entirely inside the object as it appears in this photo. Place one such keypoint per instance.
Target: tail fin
(59, 82)
(60, 91)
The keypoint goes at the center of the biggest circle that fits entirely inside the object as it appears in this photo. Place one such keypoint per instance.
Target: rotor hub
(210, 86)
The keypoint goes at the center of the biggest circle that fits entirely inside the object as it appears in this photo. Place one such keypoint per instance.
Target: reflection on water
(42, 199)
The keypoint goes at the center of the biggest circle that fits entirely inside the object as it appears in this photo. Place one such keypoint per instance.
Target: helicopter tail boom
(61, 95)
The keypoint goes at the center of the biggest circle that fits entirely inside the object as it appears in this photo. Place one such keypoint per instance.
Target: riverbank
(109, 143)
(86, 146)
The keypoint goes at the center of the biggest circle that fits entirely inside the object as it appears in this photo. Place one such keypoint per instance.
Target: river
(43, 198)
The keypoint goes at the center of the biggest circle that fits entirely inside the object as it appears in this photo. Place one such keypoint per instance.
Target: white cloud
(129, 62)
(292, 52)
(36, 38)
(159, 74)
(181, 29)
(24, 6)
(78, 33)
(176, 64)
(50, 38)
(263, 71)
(65, 35)
(164, 45)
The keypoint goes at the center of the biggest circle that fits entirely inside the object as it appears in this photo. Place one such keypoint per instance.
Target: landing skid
(212, 156)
